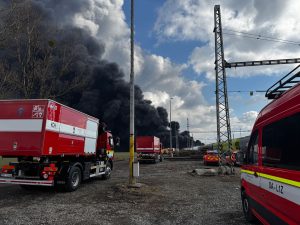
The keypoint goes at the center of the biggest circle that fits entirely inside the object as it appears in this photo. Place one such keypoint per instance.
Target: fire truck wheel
(161, 158)
(247, 208)
(107, 174)
(74, 179)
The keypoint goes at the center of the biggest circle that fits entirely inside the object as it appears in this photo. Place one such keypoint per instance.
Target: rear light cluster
(211, 157)
(49, 172)
(7, 169)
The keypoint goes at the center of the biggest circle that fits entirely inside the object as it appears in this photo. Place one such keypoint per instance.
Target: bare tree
(32, 63)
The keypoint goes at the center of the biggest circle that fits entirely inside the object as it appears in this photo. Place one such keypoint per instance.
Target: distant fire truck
(149, 148)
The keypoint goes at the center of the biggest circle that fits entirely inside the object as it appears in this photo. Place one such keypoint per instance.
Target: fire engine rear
(149, 149)
(54, 144)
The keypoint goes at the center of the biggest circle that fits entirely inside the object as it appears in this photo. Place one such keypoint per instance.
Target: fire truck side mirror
(244, 158)
(117, 141)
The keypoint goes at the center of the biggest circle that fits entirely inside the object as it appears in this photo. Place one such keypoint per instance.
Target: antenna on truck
(284, 84)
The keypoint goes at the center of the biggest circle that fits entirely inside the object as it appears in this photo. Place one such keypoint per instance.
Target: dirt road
(170, 196)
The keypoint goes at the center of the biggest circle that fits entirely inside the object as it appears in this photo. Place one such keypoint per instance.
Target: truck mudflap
(27, 182)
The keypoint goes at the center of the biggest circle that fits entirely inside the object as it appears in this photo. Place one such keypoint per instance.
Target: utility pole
(171, 123)
(132, 180)
(192, 142)
(222, 108)
(177, 143)
(188, 132)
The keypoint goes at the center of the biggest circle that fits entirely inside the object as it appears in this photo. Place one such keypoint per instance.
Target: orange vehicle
(211, 157)
(234, 158)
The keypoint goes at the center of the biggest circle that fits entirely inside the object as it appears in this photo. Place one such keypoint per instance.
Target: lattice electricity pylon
(223, 121)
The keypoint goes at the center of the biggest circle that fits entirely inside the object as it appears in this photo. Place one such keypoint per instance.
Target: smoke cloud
(103, 91)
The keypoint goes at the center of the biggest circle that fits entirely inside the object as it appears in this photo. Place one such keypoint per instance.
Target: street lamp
(171, 123)
(132, 180)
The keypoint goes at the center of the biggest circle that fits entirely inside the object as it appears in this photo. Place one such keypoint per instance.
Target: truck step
(86, 172)
(96, 175)
(95, 167)
(27, 177)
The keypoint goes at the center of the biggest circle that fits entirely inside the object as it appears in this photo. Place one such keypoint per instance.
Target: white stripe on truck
(21, 125)
(148, 148)
(27, 182)
(35, 125)
(90, 132)
(286, 191)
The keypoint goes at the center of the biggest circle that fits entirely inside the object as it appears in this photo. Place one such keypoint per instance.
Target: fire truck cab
(270, 175)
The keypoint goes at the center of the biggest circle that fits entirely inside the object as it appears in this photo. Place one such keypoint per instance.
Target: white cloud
(183, 20)
(202, 61)
(158, 76)
(251, 115)
(158, 98)
(194, 20)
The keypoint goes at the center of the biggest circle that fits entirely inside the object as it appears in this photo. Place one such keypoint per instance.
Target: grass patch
(186, 153)
(121, 156)
(6, 161)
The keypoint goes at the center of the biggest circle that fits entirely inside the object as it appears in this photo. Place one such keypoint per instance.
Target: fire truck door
(251, 170)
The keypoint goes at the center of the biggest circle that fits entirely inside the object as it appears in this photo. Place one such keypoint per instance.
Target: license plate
(6, 175)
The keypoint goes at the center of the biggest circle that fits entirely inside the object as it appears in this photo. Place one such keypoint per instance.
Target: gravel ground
(170, 195)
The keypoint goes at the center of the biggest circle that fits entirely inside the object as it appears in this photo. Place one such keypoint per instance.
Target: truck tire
(108, 170)
(74, 179)
(247, 208)
(161, 158)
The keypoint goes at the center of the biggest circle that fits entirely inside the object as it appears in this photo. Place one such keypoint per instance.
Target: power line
(250, 92)
(247, 91)
(259, 37)
(214, 131)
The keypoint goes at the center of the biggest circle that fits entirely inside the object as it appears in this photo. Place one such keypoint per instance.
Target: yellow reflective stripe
(279, 179)
(247, 171)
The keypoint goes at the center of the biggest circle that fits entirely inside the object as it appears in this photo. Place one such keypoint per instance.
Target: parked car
(211, 157)
(235, 158)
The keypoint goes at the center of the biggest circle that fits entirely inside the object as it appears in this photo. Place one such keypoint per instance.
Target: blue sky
(174, 52)
(146, 12)
(179, 51)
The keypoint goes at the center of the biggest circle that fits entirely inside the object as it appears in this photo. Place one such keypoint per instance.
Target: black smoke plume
(59, 61)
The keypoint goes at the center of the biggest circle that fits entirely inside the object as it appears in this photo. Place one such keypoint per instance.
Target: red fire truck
(270, 176)
(149, 149)
(54, 144)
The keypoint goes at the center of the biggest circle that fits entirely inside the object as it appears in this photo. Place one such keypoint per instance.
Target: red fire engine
(54, 144)
(211, 157)
(270, 185)
(149, 148)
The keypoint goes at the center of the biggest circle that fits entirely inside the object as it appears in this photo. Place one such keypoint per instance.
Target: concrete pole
(132, 180)
(171, 123)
